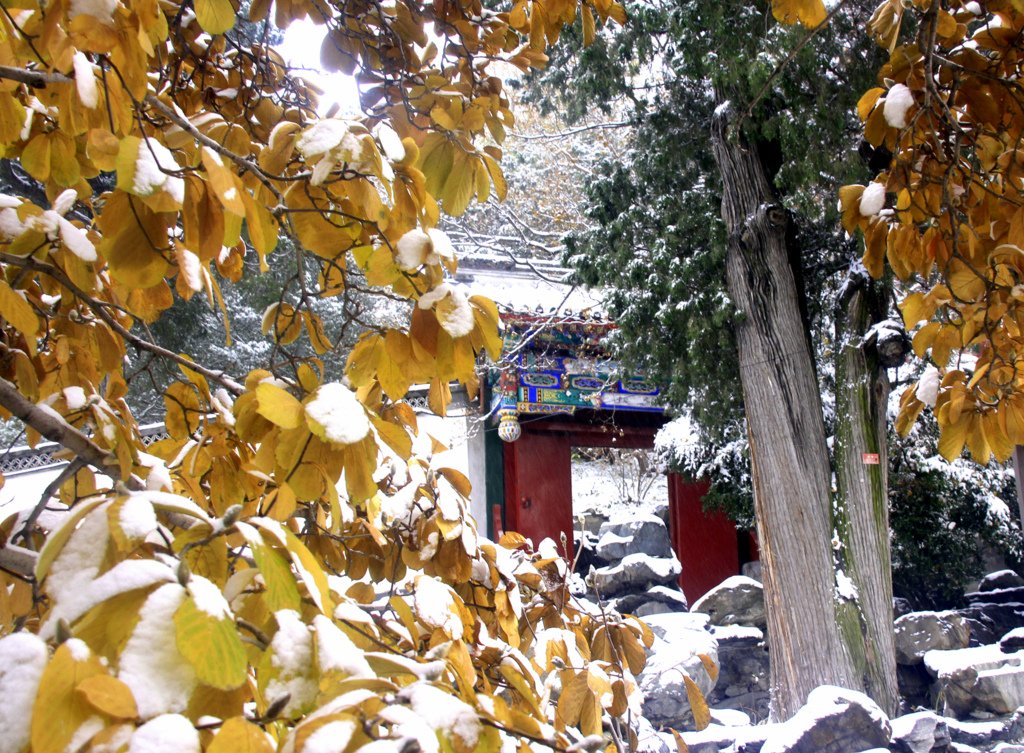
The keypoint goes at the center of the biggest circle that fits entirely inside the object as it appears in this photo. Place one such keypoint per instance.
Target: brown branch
(35, 79)
(52, 425)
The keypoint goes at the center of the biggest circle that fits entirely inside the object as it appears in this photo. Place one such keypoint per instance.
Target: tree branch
(100, 309)
(52, 425)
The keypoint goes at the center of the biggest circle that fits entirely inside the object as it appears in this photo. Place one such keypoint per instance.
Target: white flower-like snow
(872, 200)
(451, 307)
(339, 413)
(85, 81)
(897, 103)
(50, 223)
(334, 142)
(152, 166)
(928, 387)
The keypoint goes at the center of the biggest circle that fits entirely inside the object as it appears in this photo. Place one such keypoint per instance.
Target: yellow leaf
(109, 696)
(278, 406)
(17, 311)
(699, 706)
(363, 360)
(183, 413)
(681, 746)
(807, 12)
(215, 16)
(35, 157)
(282, 591)
(206, 636)
(952, 438)
(59, 711)
(588, 26)
(238, 735)
(225, 185)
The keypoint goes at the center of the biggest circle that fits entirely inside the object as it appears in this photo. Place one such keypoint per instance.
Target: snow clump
(928, 387)
(170, 733)
(151, 171)
(336, 409)
(872, 200)
(897, 103)
(22, 661)
(85, 80)
(453, 311)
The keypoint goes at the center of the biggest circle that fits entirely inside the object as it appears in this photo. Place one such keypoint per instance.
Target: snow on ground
(596, 488)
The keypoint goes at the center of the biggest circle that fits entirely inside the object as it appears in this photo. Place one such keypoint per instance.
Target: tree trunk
(790, 467)
(862, 507)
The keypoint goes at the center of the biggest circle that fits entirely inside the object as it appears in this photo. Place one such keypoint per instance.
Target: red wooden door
(538, 488)
(705, 543)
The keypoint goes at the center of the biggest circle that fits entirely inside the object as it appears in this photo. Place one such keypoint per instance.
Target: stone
(999, 580)
(717, 737)
(834, 720)
(987, 734)
(743, 669)
(647, 738)
(1012, 641)
(1014, 595)
(900, 607)
(735, 601)
(919, 632)
(991, 621)
(635, 572)
(977, 680)
(752, 570)
(679, 640)
(640, 533)
(673, 600)
(919, 732)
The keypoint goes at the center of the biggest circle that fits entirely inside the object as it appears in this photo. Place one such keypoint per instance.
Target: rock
(744, 667)
(1012, 641)
(920, 732)
(1013, 595)
(900, 607)
(735, 601)
(1000, 580)
(986, 734)
(919, 632)
(752, 570)
(991, 621)
(636, 572)
(672, 599)
(723, 738)
(645, 534)
(981, 679)
(730, 718)
(647, 738)
(834, 720)
(679, 640)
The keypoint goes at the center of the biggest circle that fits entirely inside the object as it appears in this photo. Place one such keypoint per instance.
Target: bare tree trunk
(1018, 476)
(862, 508)
(789, 460)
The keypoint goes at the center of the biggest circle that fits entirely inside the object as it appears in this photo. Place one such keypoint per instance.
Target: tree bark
(862, 505)
(790, 466)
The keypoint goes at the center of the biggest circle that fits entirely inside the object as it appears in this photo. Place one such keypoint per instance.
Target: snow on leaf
(169, 733)
(207, 638)
(151, 664)
(23, 658)
(335, 414)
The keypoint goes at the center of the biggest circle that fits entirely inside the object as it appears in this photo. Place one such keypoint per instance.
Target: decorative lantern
(509, 429)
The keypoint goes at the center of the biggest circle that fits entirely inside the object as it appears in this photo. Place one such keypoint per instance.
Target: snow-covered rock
(1012, 641)
(919, 632)
(735, 601)
(743, 679)
(977, 680)
(919, 732)
(999, 580)
(643, 533)
(679, 641)
(635, 572)
(834, 720)
(655, 600)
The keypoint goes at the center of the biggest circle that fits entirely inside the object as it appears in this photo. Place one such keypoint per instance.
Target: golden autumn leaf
(109, 696)
(807, 12)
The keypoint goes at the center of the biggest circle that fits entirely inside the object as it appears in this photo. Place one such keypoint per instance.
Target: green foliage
(941, 519)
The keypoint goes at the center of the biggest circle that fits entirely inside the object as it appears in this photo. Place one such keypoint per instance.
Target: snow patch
(23, 658)
(170, 733)
(161, 681)
(151, 171)
(872, 200)
(292, 655)
(897, 103)
(336, 408)
(85, 80)
(928, 387)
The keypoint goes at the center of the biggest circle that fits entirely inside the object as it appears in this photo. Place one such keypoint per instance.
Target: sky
(301, 49)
